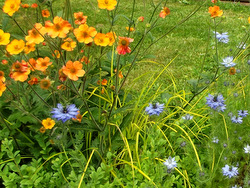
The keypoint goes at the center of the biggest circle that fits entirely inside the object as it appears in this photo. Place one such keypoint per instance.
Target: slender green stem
(40, 97)
(18, 25)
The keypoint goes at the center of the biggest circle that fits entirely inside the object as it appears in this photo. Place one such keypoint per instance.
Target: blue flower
(64, 114)
(236, 186)
(216, 102)
(230, 171)
(223, 37)
(170, 163)
(154, 109)
(235, 119)
(215, 140)
(228, 61)
(187, 117)
(242, 113)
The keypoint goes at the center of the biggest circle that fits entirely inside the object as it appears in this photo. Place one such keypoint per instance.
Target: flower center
(72, 70)
(106, 2)
(57, 27)
(124, 42)
(85, 34)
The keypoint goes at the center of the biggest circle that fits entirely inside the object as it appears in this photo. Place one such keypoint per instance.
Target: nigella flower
(242, 45)
(187, 117)
(247, 149)
(154, 109)
(215, 140)
(223, 37)
(242, 113)
(170, 163)
(216, 102)
(235, 119)
(228, 61)
(236, 186)
(230, 171)
(65, 113)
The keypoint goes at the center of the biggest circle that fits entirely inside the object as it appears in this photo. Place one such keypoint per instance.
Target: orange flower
(85, 33)
(101, 39)
(15, 47)
(60, 28)
(123, 47)
(120, 75)
(33, 81)
(42, 130)
(20, 71)
(112, 37)
(45, 83)
(61, 87)
(2, 88)
(215, 11)
(32, 63)
(130, 29)
(232, 71)
(62, 76)
(45, 13)
(104, 82)
(107, 4)
(85, 59)
(36, 34)
(214, 1)
(29, 47)
(34, 5)
(249, 19)
(48, 123)
(11, 6)
(78, 117)
(80, 19)
(57, 53)
(2, 78)
(73, 70)
(43, 63)
(4, 38)
(164, 12)
(25, 5)
(4, 62)
(68, 45)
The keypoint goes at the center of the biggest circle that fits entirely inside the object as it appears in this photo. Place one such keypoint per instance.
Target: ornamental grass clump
(79, 109)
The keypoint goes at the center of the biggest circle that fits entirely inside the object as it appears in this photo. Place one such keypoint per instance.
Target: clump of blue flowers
(230, 171)
(154, 109)
(228, 61)
(170, 163)
(223, 37)
(64, 113)
(216, 102)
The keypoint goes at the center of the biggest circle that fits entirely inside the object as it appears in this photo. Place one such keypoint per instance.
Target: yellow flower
(43, 63)
(101, 39)
(30, 47)
(2, 78)
(85, 33)
(215, 11)
(48, 123)
(36, 34)
(15, 47)
(11, 6)
(112, 36)
(107, 4)
(2, 88)
(4, 38)
(249, 19)
(73, 70)
(68, 45)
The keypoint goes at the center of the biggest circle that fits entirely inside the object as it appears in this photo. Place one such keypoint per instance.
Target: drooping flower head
(165, 11)
(80, 19)
(154, 109)
(170, 163)
(101, 39)
(123, 45)
(230, 171)
(107, 4)
(48, 123)
(65, 113)
(59, 28)
(228, 61)
(85, 33)
(36, 34)
(215, 11)
(15, 46)
(4, 38)
(73, 70)
(11, 6)
(216, 102)
(20, 71)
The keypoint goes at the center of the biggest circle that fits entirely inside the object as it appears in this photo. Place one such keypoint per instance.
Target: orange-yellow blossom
(48, 123)
(20, 71)
(73, 70)
(36, 34)
(2, 88)
(15, 46)
(107, 4)
(11, 6)
(43, 63)
(85, 33)
(4, 38)
(101, 39)
(215, 11)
